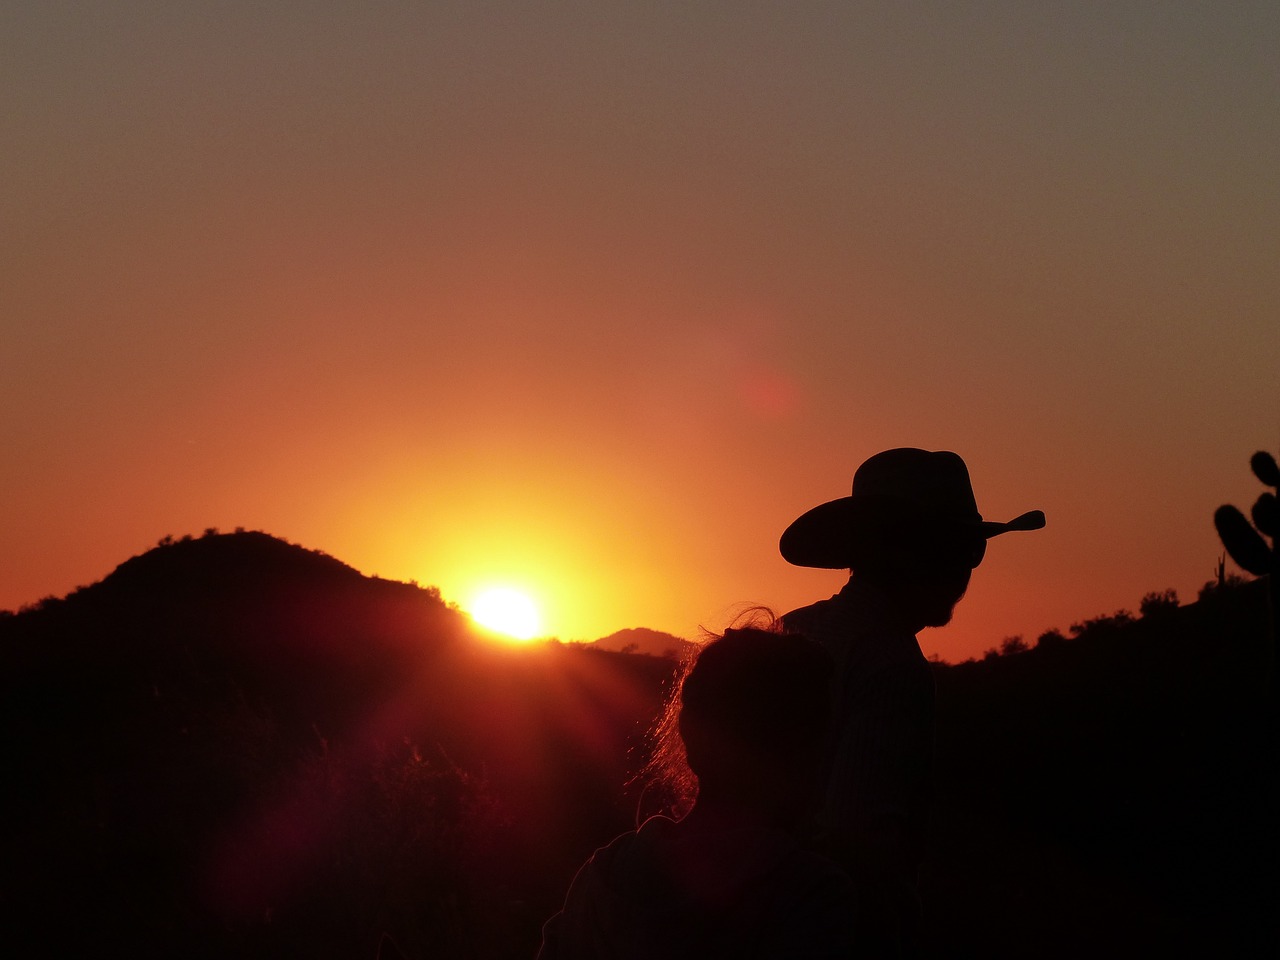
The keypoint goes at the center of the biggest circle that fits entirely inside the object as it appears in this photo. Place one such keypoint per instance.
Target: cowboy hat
(892, 488)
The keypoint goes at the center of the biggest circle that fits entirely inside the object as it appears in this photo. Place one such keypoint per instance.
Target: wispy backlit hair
(751, 707)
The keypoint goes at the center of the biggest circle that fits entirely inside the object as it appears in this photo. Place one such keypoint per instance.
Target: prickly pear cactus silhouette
(1248, 542)
(1245, 541)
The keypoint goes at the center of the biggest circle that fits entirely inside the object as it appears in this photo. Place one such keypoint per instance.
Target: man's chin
(940, 616)
(939, 620)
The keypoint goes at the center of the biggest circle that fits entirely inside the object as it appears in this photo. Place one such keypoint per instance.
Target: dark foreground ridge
(234, 746)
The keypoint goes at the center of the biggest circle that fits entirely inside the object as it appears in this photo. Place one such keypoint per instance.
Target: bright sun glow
(506, 611)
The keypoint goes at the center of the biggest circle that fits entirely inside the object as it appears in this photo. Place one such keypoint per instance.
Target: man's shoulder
(814, 616)
(801, 614)
(856, 623)
(826, 622)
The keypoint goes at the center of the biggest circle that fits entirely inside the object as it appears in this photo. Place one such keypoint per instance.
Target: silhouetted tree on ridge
(1158, 603)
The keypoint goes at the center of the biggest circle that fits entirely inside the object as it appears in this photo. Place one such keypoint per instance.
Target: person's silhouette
(732, 878)
(910, 534)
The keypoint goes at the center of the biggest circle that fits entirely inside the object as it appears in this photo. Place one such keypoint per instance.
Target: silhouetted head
(923, 567)
(911, 525)
(753, 714)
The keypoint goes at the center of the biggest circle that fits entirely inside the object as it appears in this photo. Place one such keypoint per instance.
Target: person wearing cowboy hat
(910, 535)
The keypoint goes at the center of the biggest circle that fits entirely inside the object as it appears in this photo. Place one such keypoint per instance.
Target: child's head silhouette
(753, 715)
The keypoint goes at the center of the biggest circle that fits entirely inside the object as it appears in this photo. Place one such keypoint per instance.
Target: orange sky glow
(594, 299)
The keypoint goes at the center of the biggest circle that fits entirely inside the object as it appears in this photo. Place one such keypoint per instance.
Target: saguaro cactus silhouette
(1248, 542)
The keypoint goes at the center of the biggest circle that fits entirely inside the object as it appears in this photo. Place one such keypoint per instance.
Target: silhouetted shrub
(1012, 645)
(1158, 603)
(1050, 639)
(1098, 626)
(1226, 586)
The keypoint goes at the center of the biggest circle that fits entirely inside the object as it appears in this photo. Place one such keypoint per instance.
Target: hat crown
(936, 482)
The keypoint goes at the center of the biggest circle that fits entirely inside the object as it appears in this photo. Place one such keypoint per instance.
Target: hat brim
(823, 537)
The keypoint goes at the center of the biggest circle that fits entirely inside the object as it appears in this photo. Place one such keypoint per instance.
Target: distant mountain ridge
(654, 643)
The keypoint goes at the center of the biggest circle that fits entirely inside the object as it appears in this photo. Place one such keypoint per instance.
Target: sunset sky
(593, 299)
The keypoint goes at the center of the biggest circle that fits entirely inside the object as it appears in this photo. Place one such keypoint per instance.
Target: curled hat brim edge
(820, 537)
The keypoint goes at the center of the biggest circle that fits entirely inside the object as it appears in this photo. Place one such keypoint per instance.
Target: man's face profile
(930, 572)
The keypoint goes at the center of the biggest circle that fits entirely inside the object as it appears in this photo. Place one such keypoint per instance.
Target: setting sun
(506, 611)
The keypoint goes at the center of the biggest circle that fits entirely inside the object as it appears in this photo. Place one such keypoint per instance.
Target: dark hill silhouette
(283, 624)
(642, 640)
(233, 746)
(236, 746)
(1113, 794)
